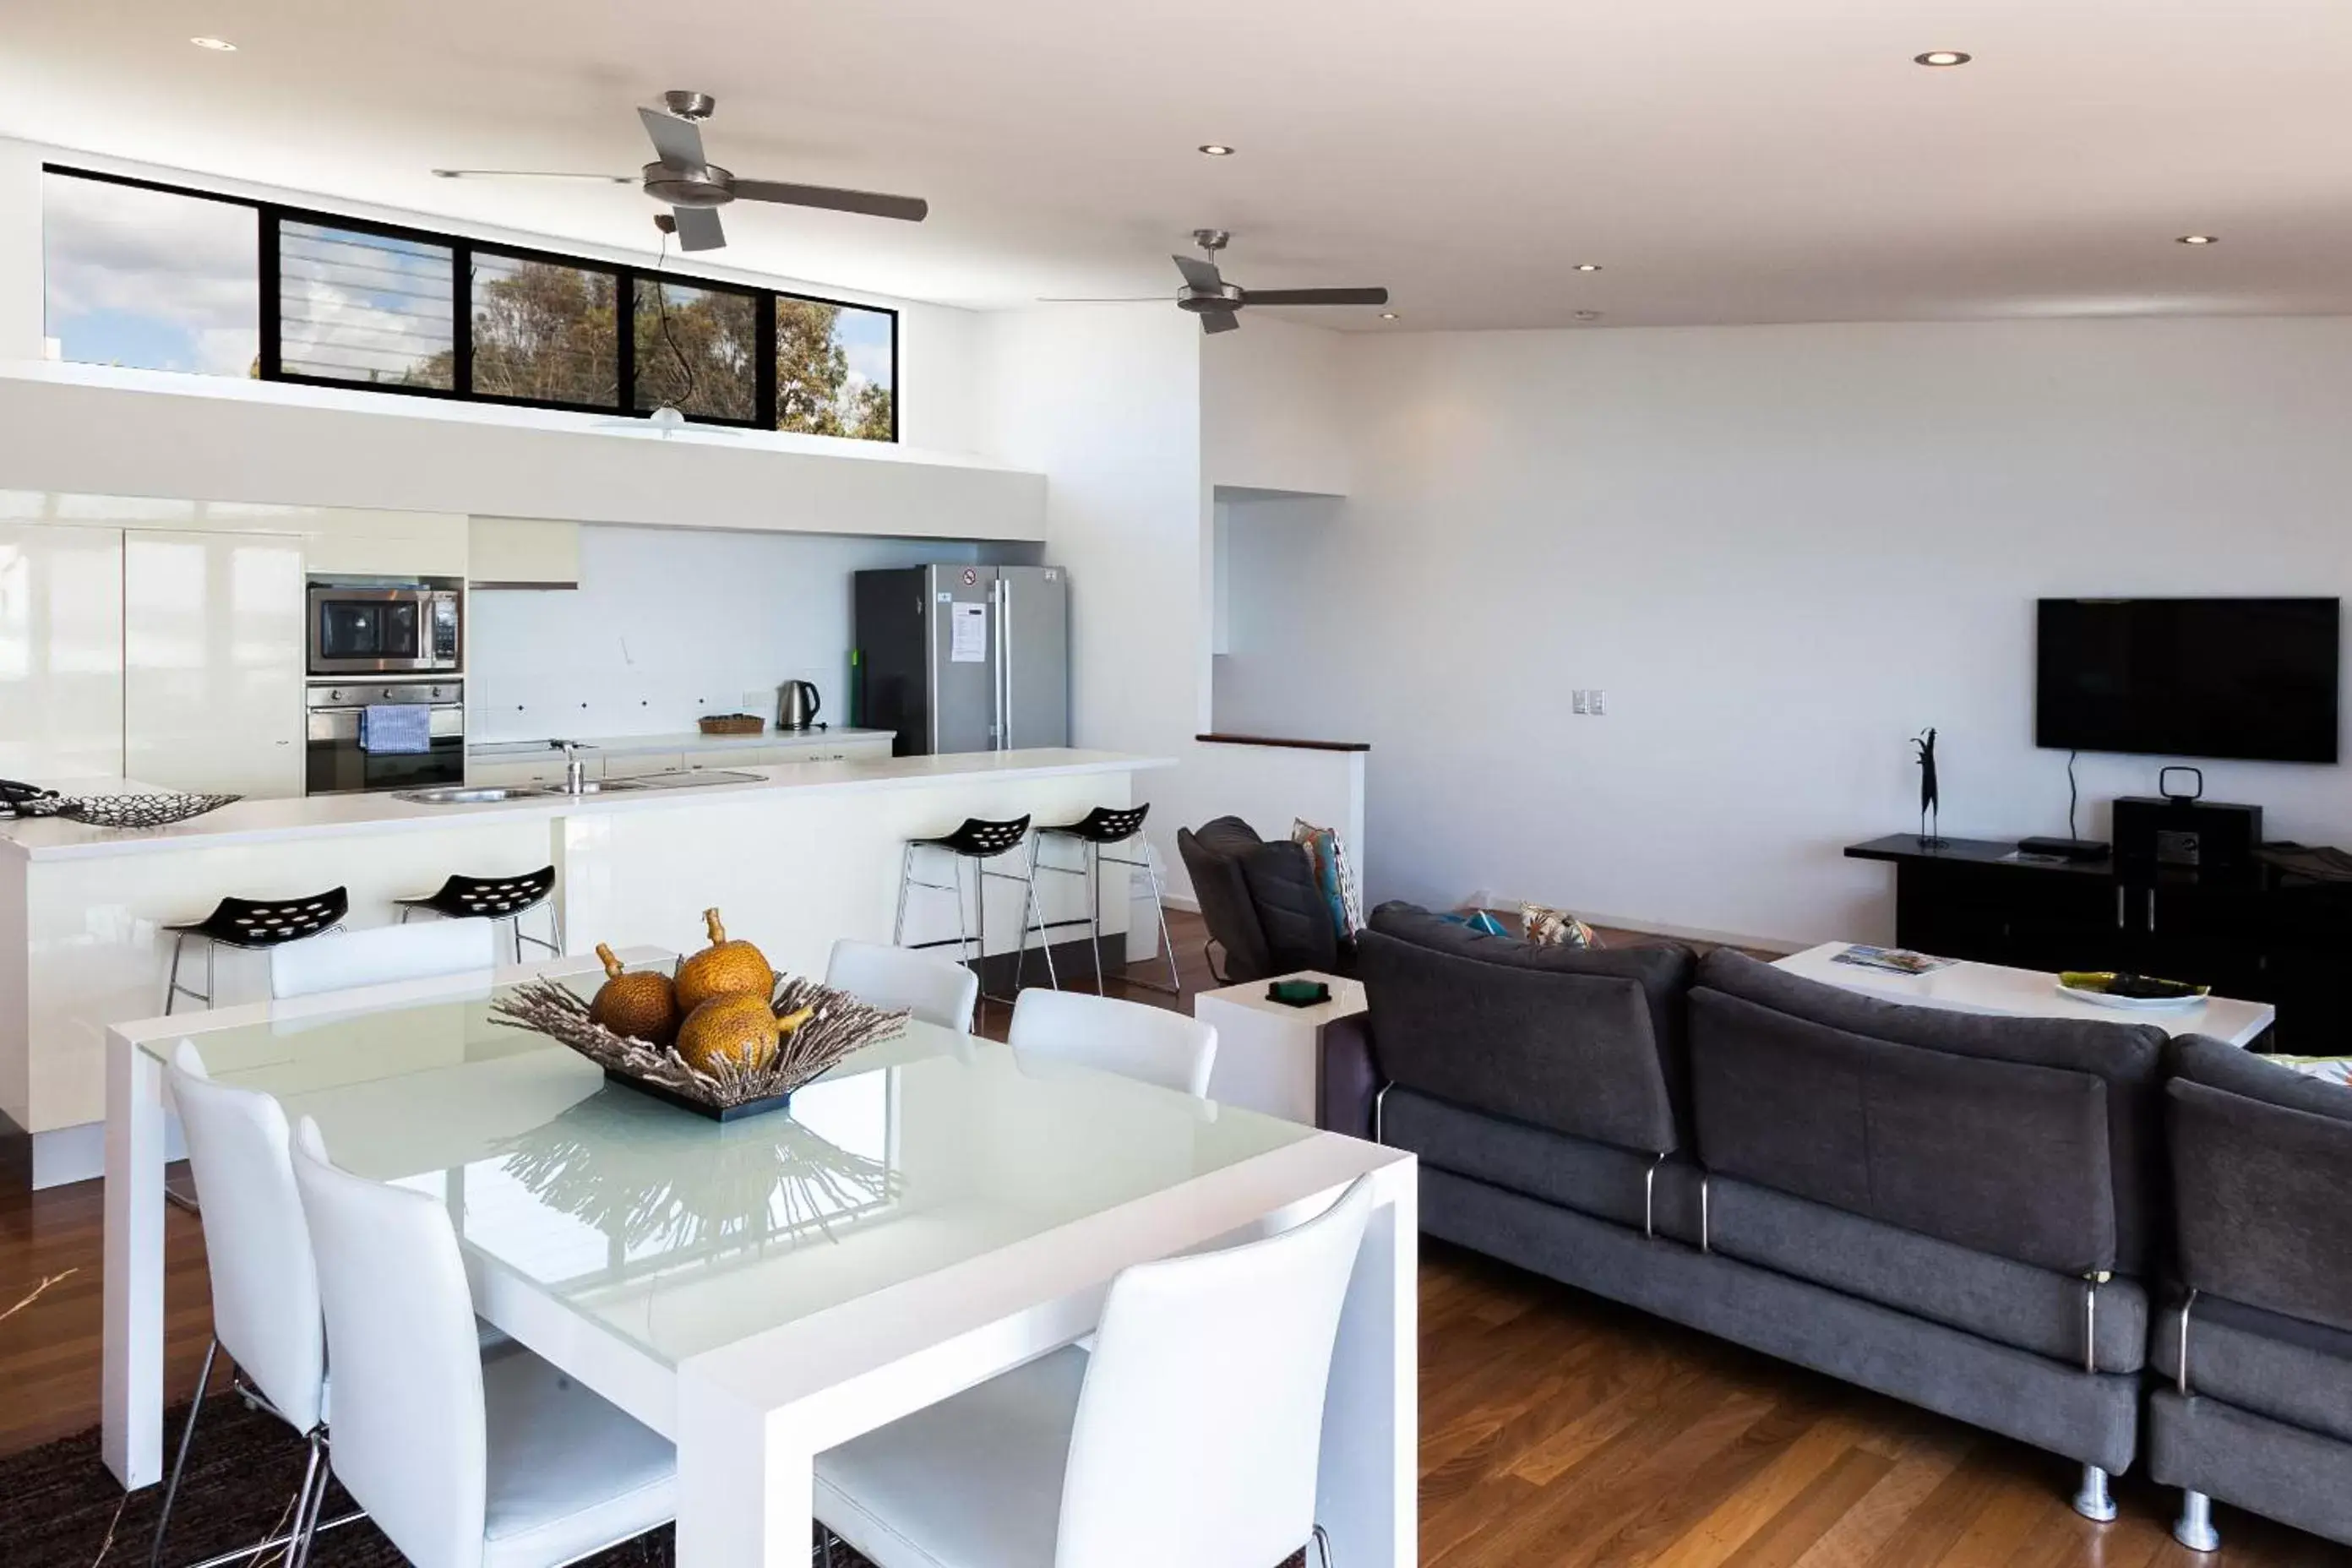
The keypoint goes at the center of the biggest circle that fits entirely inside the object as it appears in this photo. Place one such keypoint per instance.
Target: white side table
(1267, 1052)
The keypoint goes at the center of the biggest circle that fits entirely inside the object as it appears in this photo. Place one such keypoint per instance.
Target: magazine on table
(1894, 960)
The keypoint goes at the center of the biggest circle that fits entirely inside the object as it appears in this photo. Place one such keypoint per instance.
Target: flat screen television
(2251, 678)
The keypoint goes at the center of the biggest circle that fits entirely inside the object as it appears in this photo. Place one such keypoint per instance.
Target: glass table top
(682, 1234)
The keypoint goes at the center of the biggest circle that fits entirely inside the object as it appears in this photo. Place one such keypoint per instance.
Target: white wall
(1270, 409)
(1105, 401)
(669, 625)
(1781, 552)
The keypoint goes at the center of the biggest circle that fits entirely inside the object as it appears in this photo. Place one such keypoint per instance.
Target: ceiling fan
(696, 188)
(1218, 303)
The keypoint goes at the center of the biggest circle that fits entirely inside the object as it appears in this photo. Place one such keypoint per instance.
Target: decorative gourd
(643, 1006)
(734, 1031)
(723, 969)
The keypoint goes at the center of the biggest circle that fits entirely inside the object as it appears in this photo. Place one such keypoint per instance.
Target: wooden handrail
(1294, 745)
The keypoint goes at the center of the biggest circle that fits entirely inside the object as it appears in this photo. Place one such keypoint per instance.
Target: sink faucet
(575, 772)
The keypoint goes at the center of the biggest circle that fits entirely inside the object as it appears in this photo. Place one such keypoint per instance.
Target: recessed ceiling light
(2199, 240)
(1216, 150)
(1941, 58)
(1587, 266)
(220, 46)
(1588, 315)
(1388, 315)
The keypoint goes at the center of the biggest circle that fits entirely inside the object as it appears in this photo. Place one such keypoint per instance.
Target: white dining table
(937, 1210)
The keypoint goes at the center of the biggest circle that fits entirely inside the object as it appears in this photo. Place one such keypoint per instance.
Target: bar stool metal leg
(906, 881)
(1094, 915)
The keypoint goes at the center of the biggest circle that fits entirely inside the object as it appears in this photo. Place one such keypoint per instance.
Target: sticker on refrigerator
(968, 636)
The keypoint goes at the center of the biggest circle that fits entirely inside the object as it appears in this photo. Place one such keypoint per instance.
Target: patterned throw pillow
(1328, 855)
(1554, 927)
(2328, 1069)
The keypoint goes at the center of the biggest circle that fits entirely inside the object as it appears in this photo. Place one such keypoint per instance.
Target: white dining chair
(381, 955)
(936, 990)
(1191, 1436)
(462, 1459)
(258, 1253)
(1153, 1044)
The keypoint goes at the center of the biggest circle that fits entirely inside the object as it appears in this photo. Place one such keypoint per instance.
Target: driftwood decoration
(840, 1024)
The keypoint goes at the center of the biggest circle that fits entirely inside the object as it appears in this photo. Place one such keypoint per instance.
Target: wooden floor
(1558, 1429)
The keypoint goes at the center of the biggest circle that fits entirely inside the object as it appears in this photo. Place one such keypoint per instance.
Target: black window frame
(846, 305)
(270, 216)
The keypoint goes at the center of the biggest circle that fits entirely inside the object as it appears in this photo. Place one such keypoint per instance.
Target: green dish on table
(2108, 988)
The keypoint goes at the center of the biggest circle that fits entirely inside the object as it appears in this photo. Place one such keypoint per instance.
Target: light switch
(1580, 702)
(1597, 701)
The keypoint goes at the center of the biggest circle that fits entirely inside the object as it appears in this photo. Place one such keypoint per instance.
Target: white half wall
(1781, 552)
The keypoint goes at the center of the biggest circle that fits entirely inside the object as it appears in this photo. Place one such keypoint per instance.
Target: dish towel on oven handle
(397, 729)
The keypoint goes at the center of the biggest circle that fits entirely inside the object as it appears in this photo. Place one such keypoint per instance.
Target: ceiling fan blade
(872, 204)
(1315, 296)
(1199, 274)
(1219, 321)
(1102, 299)
(530, 174)
(678, 141)
(698, 229)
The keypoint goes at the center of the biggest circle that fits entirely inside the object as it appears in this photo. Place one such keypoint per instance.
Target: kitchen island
(796, 856)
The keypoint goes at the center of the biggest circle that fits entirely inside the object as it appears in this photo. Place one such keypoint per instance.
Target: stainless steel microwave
(361, 626)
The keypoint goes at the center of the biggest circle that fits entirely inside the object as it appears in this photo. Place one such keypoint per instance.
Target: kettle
(796, 706)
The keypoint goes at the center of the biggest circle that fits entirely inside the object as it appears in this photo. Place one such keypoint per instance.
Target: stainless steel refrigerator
(962, 658)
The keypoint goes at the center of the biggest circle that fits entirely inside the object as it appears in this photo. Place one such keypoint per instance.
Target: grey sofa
(1956, 1210)
(2257, 1406)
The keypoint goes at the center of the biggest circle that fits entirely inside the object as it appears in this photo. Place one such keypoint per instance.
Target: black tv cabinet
(2254, 932)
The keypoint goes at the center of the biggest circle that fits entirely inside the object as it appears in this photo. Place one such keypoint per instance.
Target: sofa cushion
(2004, 1157)
(1598, 1178)
(2015, 1303)
(1291, 907)
(2282, 1367)
(1572, 1052)
(2264, 1195)
(2270, 1467)
(2127, 1058)
(1661, 971)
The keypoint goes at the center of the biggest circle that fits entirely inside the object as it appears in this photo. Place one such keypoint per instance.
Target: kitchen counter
(682, 740)
(801, 855)
(328, 815)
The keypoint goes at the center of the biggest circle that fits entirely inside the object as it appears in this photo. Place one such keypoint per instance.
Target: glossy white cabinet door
(60, 652)
(212, 661)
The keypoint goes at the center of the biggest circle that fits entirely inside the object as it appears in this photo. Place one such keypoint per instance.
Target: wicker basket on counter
(731, 724)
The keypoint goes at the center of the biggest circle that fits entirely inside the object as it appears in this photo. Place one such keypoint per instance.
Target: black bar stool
(254, 925)
(496, 899)
(1102, 828)
(978, 843)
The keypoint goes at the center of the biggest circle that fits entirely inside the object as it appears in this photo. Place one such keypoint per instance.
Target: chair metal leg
(1094, 914)
(1323, 1547)
(828, 1537)
(906, 884)
(2094, 1501)
(2194, 1528)
(1033, 909)
(1160, 907)
(306, 1504)
(174, 990)
(180, 1464)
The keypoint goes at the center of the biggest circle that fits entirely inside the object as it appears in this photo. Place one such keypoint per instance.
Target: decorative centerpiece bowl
(835, 1023)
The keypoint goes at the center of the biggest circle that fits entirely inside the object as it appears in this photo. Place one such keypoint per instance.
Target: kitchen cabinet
(212, 661)
(60, 652)
(522, 552)
(346, 542)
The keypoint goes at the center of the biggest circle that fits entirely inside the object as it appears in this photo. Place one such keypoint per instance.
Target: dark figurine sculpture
(1930, 804)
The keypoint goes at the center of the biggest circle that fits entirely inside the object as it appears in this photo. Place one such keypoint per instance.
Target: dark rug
(59, 1504)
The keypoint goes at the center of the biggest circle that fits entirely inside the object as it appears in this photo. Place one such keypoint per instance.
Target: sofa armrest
(1347, 1079)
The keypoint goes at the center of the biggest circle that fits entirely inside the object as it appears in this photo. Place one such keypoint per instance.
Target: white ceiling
(1724, 160)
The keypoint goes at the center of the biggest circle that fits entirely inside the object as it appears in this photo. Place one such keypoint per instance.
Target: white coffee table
(2023, 994)
(1269, 1053)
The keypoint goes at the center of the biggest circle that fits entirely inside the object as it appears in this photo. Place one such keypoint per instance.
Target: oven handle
(447, 722)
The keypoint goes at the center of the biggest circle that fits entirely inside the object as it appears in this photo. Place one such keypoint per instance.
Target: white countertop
(680, 741)
(2023, 994)
(327, 815)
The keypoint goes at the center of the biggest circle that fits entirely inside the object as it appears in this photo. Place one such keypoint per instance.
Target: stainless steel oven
(340, 759)
(362, 625)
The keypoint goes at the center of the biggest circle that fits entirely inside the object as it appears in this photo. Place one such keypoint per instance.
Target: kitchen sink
(463, 794)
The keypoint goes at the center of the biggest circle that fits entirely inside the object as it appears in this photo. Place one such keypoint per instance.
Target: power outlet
(1580, 702)
(1596, 702)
